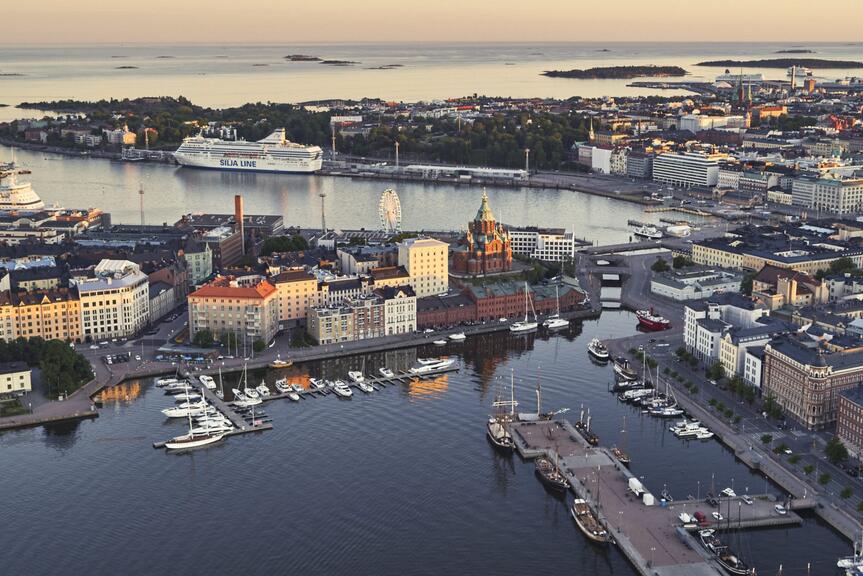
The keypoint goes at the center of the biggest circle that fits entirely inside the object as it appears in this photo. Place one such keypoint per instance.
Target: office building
(427, 262)
(115, 300)
(546, 244)
(687, 169)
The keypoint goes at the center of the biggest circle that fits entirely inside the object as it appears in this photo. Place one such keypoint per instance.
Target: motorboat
(282, 385)
(251, 393)
(365, 386)
(426, 365)
(439, 342)
(588, 523)
(238, 394)
(621, 456)
(176, 387)
(356, 376)
(598, 350)
(263, 390)
(247, 402)
(458, 337)
(162, 382)
(177, 412)
(623, 370)
(550, 474)
(704, 434)
(342, 389)
(297, 388)
(278, 364)
(207, 381)
(317, 384)
(293, 396)
(386, 373)
(525, 325)
(212, 429)
(667, 412)
(624, 385)
(634, 394)
(648, 320)
(187, 396)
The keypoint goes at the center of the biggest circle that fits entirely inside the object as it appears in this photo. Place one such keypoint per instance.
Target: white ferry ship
(16, 195)
(272, 154)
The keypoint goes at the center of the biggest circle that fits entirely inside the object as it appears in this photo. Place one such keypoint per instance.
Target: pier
(652, 537)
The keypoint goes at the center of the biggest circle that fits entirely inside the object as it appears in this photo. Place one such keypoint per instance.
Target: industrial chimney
(238, 220)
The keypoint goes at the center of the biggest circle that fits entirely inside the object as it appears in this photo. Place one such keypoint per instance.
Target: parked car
(717, 516)
(747, 499)
(780, 509)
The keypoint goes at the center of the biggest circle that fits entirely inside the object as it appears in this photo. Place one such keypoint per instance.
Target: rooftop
(227, 287)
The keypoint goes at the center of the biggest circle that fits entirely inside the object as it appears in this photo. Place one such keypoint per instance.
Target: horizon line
(795, 42)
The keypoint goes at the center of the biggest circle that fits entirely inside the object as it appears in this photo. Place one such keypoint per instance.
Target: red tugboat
(650, 321)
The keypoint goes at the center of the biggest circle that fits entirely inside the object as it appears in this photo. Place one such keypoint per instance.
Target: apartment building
(115, 300)
(297, 292)
(427, 262)
(48, 314)
(705, 322)
(400, 309)
(246, 307)
(14, 378)
(807, 381)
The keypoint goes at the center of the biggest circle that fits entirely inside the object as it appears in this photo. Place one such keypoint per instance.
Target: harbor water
(400, 481)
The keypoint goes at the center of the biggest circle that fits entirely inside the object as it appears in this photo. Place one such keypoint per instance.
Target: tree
(766, 439)
(716, 372)
(203, 338)
(275, 244)
(846, 493)
(63, 369)
(824, 479)
(836, 451)
(746, 283)
(259, 346)
(808, 469)
(681, 261)
(660, 265)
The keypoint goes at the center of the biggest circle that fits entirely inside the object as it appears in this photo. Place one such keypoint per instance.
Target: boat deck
(649, 536)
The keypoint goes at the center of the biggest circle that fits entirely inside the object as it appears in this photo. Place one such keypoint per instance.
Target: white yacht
(386, 372)
(356, 376)
(342, 389)
(648, 232)
(275, 153)
(207, 381)
(525, 325)
(426, 365)
(16, 195)
(458, 336)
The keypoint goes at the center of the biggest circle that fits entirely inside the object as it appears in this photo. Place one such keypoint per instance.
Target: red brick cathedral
(486, 247)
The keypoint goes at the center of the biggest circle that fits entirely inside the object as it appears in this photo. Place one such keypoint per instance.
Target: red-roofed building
(247, 307)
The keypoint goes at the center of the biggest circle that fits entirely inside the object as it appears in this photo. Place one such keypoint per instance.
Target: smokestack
(238, 220)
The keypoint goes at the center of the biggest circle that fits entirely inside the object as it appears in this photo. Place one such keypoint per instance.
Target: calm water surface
(402, 481)
(172, 191)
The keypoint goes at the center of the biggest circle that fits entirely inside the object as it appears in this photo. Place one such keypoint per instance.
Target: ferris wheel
(390, 211)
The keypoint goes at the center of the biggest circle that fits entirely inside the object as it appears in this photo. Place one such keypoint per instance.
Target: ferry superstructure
(275, 153)
(16, 195)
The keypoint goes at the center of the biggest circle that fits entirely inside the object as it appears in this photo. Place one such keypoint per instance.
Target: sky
(294, 21)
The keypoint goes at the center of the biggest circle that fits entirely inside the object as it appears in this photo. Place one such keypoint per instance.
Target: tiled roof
(221, 288)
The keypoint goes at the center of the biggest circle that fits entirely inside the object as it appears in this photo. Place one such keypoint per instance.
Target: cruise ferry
(16, 195)
(275, 153)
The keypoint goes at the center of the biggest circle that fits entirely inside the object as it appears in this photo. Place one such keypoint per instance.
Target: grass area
(12, 408)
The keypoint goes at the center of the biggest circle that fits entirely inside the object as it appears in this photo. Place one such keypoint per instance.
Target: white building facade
(115, 302)
(689, 169)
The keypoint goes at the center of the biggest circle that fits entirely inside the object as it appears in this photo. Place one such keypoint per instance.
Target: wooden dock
(650, 536)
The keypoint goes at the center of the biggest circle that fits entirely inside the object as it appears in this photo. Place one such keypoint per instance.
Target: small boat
(703, 434)
(212, 428)
(356, 376)
(498, 434)
(648, 232)
(177, 412)
(263, 390)
(650, 321)
(317, 384)
(587, 522)
(623, 370)
(278, 364)
(621, 456)
(342, 389)
(365, 387)
(666, 495)
(246, 402)
(598, 350)
(386, 373)
(458, 336)
(187, 396)
(555, 323)
(207, 381)
(238, 394)
(297, 388)
(439, 342)
(282, 385)
(550, 474)
(162, 382)
(251, 393)
(293, 396)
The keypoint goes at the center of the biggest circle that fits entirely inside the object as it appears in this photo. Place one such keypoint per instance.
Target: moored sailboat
(588, 523)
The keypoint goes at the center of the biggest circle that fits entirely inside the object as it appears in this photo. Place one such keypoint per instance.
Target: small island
(618, 72)
(126, 68)
(9, 74)
(795, 51)
(385, 67)
(339, 62)
(302, 58)
(783, 63)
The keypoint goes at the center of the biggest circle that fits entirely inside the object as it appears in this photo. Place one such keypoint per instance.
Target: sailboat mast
(512, 392)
